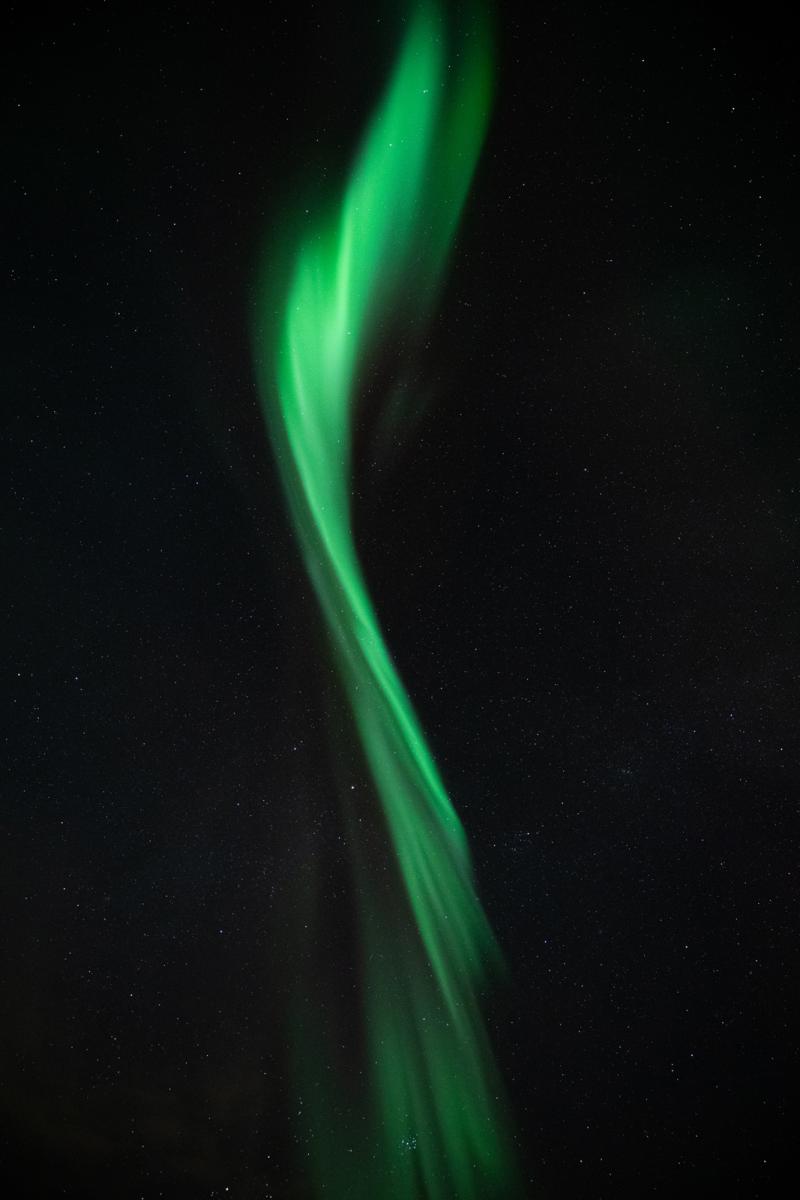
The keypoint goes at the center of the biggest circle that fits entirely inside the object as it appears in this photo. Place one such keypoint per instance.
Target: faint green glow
(429, 1123)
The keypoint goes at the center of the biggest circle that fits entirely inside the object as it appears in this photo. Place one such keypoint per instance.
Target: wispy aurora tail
(430, 1124)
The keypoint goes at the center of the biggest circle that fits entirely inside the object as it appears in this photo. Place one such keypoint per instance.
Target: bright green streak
(430, 1124)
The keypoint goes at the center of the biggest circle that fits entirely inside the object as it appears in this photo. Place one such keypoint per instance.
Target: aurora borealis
(435, 1125)
(400, 753)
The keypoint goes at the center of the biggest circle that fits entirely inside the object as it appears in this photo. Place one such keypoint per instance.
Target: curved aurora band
(427, 1121)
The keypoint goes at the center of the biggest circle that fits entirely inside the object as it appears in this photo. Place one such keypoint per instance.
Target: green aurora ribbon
(429, 1122)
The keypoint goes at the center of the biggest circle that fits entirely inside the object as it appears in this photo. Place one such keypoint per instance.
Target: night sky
(583, 551)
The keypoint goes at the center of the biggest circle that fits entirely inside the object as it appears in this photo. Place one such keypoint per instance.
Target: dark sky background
(585, 556)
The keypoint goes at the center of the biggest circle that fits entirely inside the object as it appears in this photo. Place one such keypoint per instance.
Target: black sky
(584, 555)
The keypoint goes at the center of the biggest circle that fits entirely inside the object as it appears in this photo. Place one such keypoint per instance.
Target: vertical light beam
(431, 1124)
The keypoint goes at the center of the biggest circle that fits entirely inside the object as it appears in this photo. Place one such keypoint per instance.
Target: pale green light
(431, 1124)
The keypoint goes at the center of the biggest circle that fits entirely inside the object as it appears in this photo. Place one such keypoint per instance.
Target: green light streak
(429, 1124)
